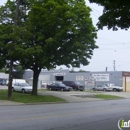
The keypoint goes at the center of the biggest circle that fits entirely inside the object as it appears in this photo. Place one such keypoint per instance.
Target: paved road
(96, 115)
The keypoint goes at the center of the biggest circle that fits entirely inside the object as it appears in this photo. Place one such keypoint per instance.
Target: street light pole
(11, 60)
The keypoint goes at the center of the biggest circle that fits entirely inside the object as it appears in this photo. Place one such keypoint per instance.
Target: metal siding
(44, 77)
(114, 76)
(28, 74)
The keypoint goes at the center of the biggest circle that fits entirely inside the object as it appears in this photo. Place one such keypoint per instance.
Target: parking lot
(77, 96)
(83, 96)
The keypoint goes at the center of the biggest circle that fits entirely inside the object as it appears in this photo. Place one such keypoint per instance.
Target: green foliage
(8, 35)
(2, 70)
(103, 96)
(115, 14)
(18, 72)
(82, 70)
(57, 32)
(49, 33)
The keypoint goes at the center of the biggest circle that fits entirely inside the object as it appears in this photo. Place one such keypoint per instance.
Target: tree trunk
(36, 73)
(10, 80)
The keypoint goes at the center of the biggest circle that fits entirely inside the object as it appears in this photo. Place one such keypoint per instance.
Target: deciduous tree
(54, 32)
(116, 14)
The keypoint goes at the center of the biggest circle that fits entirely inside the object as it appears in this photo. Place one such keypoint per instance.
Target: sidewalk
(9, 103)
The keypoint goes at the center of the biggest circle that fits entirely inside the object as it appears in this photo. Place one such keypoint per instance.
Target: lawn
(107, 97)
(28, 98)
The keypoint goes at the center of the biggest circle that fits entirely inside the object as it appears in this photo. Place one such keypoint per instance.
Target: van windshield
(78, 83)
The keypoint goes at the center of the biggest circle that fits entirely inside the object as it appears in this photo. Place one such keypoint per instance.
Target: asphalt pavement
(85, 96)
(97, 115)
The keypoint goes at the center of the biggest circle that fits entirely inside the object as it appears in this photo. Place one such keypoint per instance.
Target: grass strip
(28, 98)
(107, 97)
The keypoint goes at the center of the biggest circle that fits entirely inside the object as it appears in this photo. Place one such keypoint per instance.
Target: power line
(96, 10)
(94, 14)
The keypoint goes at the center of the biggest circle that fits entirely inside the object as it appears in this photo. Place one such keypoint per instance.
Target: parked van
(75, 85)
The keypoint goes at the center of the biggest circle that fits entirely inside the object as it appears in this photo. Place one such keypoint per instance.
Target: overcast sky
(113, 46)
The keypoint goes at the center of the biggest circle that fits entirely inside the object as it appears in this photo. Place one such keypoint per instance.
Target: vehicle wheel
(94, 89)
(50, 89)
(114, 90)
(23, 91)
(62, 89)
(104, 90)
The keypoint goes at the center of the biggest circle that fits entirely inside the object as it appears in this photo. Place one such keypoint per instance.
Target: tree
(115, 14)
(18, 72)
(4, 44)
(72, 69)
(54, 32)
(82, 70)
(8, 22)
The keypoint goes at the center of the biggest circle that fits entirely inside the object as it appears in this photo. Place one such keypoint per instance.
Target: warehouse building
(3, 78)
(86, 78)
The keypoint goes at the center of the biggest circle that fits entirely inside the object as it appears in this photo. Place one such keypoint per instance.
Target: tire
(23, 91)
(94, 89)
(104, 90)
(114, 90)
(62, 89)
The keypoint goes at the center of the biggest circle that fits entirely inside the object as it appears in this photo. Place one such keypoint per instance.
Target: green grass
(28, 98)
(107, 97)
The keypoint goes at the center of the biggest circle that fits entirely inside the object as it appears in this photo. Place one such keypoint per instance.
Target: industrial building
(3, 78)
(89, 79)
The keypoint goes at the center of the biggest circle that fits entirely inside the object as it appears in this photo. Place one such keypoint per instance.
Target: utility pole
(114, 65)
(12, 47)
(106, 69)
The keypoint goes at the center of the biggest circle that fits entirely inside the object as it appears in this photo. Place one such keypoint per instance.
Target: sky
(114, 46)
